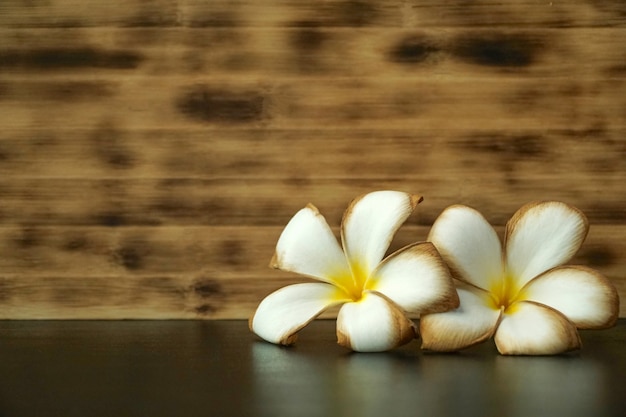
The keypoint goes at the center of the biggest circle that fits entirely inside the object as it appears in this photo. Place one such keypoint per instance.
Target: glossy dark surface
(218, 368)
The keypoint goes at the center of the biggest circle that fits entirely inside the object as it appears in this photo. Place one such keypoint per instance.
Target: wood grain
(330, 13)
(151, 152)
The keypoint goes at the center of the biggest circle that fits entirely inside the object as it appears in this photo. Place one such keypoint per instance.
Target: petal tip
(415, 200)
(312, 207)
(614, 307)
(274, 263)
(343, 340)
(289, 339)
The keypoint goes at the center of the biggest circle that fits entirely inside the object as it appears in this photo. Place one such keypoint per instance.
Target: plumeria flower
(376, 296)
(519, 293)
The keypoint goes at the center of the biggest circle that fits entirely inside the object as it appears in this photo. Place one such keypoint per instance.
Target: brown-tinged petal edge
(369, 224)
(582, 294)
(536, 329)
(469, 245)
(470, 324)
(308, 246)
(417, 279)
(541, 236)
(374, 326)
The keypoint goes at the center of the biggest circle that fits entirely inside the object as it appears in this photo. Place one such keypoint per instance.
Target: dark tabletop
(218, 368)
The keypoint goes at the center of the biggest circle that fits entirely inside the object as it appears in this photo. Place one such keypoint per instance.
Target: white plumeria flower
(376, 295)
(521, 294)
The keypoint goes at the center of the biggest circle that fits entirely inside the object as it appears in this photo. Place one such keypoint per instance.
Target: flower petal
(535, 329)
(307, 246)
(416, 279)
(373, 324)
(473, 322)
(285, 311)
(541, 236)
(582, 294)
(469, 245)
(368, 226)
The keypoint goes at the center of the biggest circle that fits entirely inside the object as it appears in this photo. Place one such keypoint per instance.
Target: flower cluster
(463, 283)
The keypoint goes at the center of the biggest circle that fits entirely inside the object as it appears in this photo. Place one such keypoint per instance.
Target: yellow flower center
(504, 294)
(353, 284)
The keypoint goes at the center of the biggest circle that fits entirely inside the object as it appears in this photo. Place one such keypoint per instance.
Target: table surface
(218, 368)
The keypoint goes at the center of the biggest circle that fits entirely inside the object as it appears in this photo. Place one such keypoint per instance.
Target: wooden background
(152, 151)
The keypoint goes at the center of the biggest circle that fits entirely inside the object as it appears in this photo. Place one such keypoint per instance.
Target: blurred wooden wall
(152, 151)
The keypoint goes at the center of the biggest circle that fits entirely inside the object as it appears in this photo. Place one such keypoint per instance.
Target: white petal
(416, 279)
(284, 312)
(469, 245)
(534, 329)
(470, 324)
(582, 294)
(370, 223)
(373, 324)
(307, 246)
(541, 236)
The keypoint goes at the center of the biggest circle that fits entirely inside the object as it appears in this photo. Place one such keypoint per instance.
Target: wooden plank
(100, 92)
(170, 201)
(110, 251)
(181, 272)
(517, 13)
(108, 151)
(149, 297)
(311, 52)
(504, 103)
(200, 13)
(351, 13)
(78, 13)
